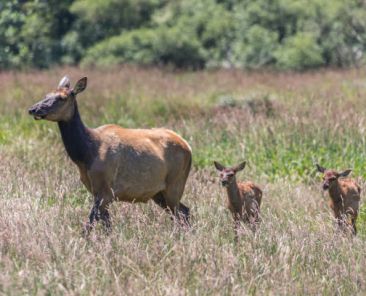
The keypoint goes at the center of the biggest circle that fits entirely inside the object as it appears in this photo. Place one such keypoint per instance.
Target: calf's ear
(344, 173)
(240, 166)
(219, 166)
(320, 168)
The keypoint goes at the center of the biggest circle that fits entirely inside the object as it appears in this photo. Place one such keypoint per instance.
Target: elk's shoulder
(349, 186)
(246, 186)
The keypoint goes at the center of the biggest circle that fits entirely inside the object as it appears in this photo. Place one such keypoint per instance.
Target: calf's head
(331, 176)
(227, 174)
(58, 105)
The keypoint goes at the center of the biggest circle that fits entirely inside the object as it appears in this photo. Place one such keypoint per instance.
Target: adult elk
(344, 196)
(115, 163)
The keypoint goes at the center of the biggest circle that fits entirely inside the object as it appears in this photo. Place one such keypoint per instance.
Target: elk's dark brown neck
(78, 139)
(233, 195)
(335, 192)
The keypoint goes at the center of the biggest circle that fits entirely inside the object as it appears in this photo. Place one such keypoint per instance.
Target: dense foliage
(281, 34)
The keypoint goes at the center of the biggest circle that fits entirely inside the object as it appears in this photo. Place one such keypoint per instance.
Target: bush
(299, 52)
(132, 47)
(255, 48)
(208, 23)
(146, 46)
(282, 34)
(29, 32)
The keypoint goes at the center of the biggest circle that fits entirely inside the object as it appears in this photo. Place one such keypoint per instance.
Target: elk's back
(250, 190)
(350, 191)
(139, 162)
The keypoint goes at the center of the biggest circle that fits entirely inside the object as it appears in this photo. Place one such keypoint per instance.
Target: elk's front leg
(103, 196)
(100, 211)
(237, 224)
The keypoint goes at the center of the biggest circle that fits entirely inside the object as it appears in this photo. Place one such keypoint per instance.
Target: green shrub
(133, 47)
(109, 17)
(255, 47)
(282, 34)
(208, 23)
(299, 52)
(146, 46)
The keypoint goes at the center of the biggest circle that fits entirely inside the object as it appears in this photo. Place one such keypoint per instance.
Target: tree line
(193, 34)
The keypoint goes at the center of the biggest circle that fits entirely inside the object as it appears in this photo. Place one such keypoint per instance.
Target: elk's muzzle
(325, 186)
(36, 112)
(224, 183)
(41, 109)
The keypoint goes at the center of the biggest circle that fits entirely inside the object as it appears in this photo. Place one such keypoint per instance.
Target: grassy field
(280, 123)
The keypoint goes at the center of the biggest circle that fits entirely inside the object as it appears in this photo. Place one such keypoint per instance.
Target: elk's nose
(325, 186)
(224, 183)
(34, 109)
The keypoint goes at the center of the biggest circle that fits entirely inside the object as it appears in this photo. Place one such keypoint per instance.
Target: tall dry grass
(223, 114)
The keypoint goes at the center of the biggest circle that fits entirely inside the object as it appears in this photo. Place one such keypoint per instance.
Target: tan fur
(137, 164)
(344, 196)
(345, 201)
(243, 198)
(244, 202)
(133, 165)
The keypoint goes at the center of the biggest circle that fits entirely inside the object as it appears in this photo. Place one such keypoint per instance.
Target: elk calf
(244, 198)
(344, 196)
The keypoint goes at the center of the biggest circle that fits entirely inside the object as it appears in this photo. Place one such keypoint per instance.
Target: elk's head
(58, 105)
(227, 175)
(331, 176)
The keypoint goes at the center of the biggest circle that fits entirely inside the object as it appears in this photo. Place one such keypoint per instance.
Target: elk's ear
(320, 168)
(240, 166)
(219, 166)
(64, 82)
(344, 173)
(80, 85)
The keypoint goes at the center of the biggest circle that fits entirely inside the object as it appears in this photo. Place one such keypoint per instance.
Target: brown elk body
(344, 196)
(243, 198)
(133, 165)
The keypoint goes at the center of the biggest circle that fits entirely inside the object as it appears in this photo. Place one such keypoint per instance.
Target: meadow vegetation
(282, 124)
(279, 34)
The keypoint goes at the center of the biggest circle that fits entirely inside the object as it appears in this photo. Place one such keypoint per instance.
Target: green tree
(282, 34)
(97, 20)
(299, 52)
(29, 32)
(183, 33)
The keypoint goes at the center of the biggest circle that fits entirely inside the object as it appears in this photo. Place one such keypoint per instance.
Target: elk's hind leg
(351, 219)
(254, 218)
(352, 224)
(172, 196)
(184, 214)
(181, 210)
(161, 202)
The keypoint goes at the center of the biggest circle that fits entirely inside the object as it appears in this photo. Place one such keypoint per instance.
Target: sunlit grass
(281, 124)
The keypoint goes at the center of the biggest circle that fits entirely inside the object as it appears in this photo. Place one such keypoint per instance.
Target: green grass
(282, 124)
